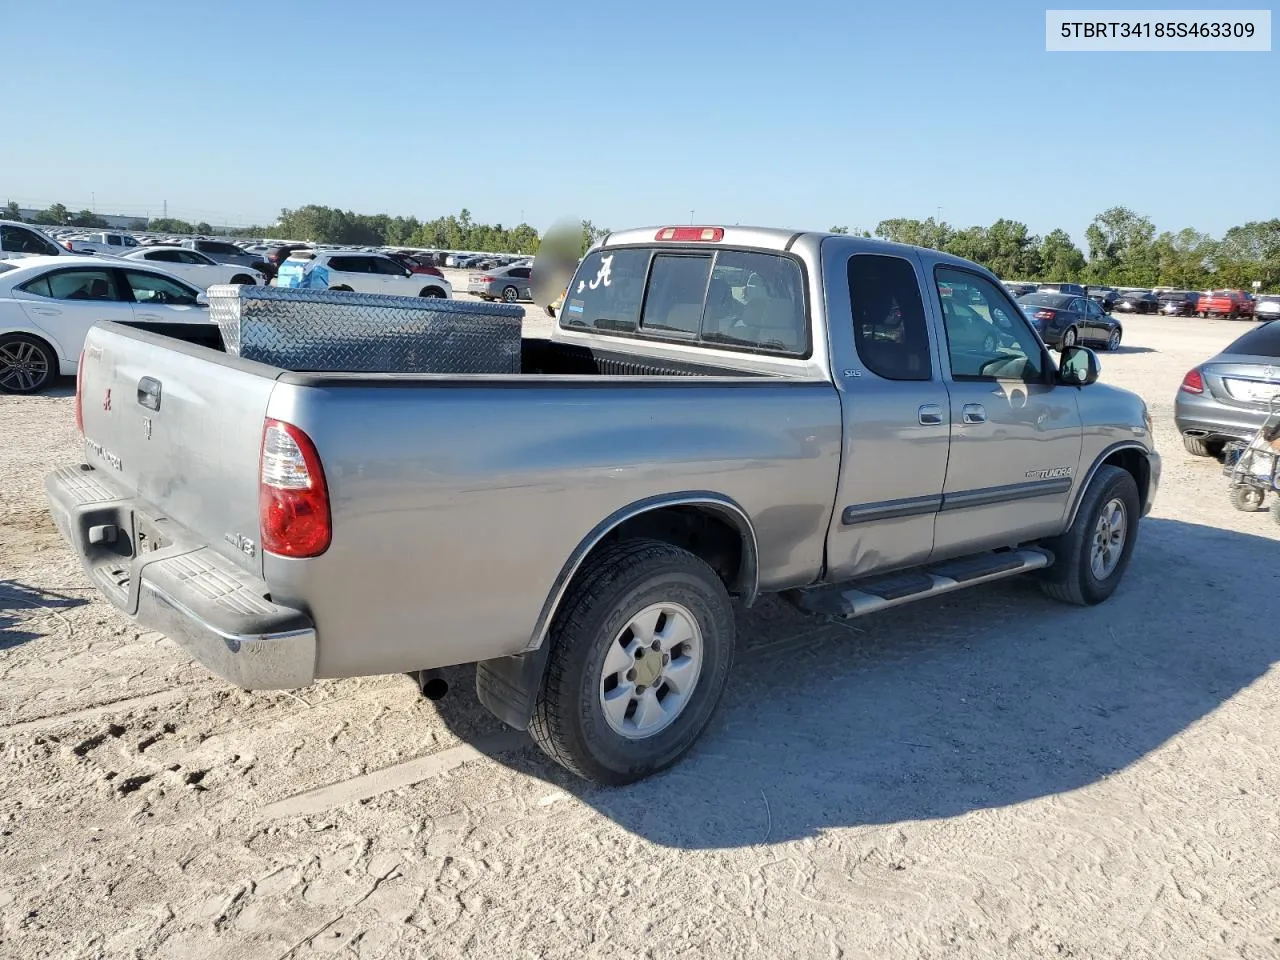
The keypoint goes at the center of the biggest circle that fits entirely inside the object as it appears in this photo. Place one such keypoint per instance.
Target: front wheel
(641, 651)
(243, 280)
(510, 294)
(1091, 557)
(1113, 342)
(433, 292)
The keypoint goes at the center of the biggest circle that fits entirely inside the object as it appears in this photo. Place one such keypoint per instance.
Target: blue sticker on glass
(575, 306)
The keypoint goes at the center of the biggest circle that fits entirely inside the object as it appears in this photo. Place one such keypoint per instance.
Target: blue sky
(789, 114)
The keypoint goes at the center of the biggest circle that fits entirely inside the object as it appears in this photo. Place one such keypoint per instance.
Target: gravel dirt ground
(989, 774)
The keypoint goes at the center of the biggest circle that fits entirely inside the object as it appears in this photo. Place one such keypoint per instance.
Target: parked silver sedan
(506, 283)
(1226, 397)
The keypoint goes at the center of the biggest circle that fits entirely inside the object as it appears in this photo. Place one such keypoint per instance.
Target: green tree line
(1123, 246)
(1123, 250)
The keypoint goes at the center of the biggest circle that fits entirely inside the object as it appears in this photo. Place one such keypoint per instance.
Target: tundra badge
(1049, 473)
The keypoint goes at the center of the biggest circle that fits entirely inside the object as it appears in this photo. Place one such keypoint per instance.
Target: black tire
(1247, 499)
(433, 292)
(1071, 579)
(342, 287)
(1113, 342)
(1197, 447)
(1069, 338)
(510, 294)
(27, 364)
(568, 723)
(243, 280)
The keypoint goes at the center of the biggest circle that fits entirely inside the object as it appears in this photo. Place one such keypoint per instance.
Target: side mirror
(1078, 367)
(202, 299)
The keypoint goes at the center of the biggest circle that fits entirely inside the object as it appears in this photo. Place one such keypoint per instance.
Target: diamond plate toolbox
(332, 330)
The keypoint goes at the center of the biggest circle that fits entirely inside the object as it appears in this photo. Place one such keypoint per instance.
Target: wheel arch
(1130, 457)
(702, 522)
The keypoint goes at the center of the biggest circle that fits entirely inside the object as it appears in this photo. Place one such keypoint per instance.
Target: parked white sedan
(48, 304)
(196, 267)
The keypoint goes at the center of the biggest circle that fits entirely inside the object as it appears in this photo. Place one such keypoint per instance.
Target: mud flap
(508, 686)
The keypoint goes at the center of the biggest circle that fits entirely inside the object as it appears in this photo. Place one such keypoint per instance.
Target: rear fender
(508, 686)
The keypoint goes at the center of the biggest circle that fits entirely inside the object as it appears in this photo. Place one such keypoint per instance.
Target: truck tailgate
(178, 428)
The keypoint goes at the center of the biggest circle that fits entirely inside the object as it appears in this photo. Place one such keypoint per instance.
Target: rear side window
(39, 286)
(1263, 341)
(77, 285)
(730, 298)
(889, 328)
(18, 240)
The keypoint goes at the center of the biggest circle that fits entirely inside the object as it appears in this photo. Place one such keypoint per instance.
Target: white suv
(360, 272)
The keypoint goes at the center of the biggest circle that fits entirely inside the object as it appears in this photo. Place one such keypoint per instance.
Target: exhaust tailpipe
(432, 684)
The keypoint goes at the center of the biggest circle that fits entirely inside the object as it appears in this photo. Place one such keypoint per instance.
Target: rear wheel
(27, 364)
(1069, 338)
(342, 287)
(243, 280)
(1091, 557)
(641, 651)
(1197, 447)
(433, 292)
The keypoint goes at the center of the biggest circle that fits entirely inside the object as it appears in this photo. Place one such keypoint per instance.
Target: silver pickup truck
(719, 413)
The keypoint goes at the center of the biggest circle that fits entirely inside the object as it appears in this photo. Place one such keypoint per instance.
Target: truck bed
(537, 356)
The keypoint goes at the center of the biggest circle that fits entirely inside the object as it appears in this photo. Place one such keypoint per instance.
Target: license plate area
(1251, 391)
(149, 534)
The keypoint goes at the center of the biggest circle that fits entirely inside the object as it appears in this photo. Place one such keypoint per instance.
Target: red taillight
(708, 234)
(80, 393)
(1193, 382)
(293, 500)
(1044, 315)
(484, 279)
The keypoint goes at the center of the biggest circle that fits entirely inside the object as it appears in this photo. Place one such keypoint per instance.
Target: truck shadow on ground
(20, 604)
(984, 699)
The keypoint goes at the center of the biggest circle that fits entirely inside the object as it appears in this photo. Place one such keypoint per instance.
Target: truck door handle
(931, 414)
(46, 311)
(974, 413)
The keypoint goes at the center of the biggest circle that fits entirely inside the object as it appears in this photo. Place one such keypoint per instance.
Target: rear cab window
(730, 299)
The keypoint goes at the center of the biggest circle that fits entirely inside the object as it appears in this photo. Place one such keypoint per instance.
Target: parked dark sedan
(1105, 297)
(1178, 303)
(1137, 301)
(1063, 320)
(1225, 398)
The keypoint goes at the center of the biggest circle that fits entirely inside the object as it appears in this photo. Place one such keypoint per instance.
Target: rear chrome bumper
(168, 581)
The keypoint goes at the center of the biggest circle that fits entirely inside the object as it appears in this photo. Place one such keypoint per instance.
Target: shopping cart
(1254, 465)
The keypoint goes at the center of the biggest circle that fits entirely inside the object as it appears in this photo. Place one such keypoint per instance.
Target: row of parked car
(1232, 304)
